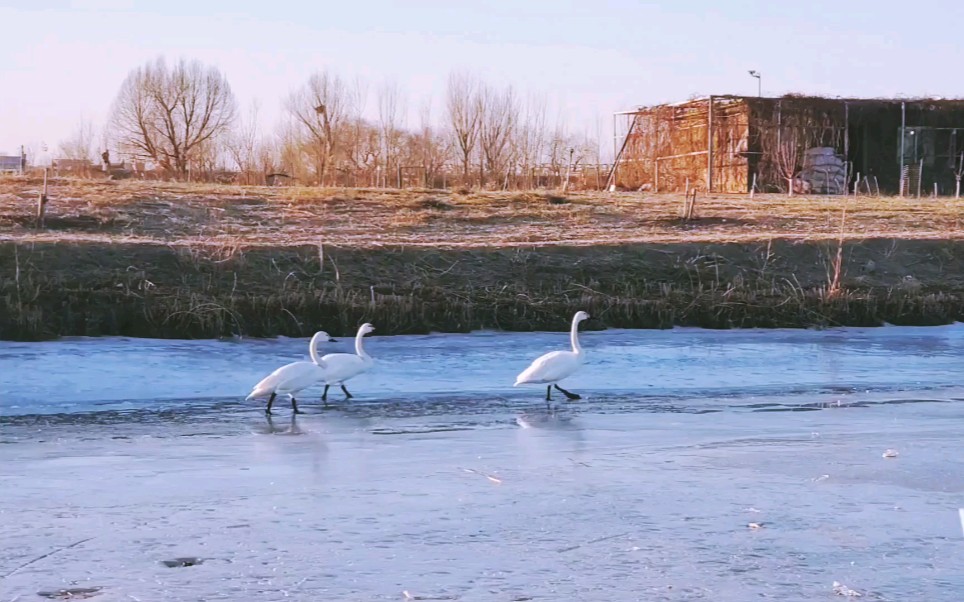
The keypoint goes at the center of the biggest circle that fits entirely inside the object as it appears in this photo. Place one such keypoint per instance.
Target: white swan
(293, 377)
(554, 366)
(340, 367)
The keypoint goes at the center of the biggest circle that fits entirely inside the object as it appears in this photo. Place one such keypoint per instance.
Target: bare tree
(391, 111)
(165, 114)
(531, 137)
(320, 110)
(362, 151)
(557, 148)
(80, 144)
(464, 115)
(500, 114)
(427, 147)
(788, 156)
(241, 145)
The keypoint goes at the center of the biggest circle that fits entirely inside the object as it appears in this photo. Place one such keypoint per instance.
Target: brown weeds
(52, 289)
(103, 211)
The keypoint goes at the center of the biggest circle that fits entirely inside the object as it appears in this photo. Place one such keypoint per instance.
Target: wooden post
(846, 145)
(935, 190)
(856, 184)
(957, 177)
(42, 203)
(399, 176)
(686, 199)
(903, 136)
(692, 207)
(709, 146)
(920, 176)
(753, 185)
(565, 187)
(611, 180)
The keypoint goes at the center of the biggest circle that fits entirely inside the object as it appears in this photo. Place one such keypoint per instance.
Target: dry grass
(180, 260)
(174, 213)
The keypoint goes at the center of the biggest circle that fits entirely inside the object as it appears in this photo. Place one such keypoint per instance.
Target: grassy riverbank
(174, 260)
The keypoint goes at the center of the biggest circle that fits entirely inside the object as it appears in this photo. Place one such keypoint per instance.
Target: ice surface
(121, 457)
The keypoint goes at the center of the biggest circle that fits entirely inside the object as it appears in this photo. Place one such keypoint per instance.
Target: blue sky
(63, 60)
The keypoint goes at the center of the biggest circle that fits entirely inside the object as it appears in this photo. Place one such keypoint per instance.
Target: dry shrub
(433, 203)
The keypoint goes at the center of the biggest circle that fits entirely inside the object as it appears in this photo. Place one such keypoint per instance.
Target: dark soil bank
(56, 289)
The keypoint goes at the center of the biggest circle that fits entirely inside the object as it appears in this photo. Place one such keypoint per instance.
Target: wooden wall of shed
(673, 139)
(731, 143)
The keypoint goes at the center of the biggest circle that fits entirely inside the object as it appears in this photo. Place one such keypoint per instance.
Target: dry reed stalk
(834, 287)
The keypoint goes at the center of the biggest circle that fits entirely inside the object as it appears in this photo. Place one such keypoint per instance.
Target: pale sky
(64, 60)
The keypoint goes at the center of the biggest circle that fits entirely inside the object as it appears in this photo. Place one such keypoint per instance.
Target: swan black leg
(267, 410)
(347, 394)
(294, 407)
(324, 396)
(570, 396)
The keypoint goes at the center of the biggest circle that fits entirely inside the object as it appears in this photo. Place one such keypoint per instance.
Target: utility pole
(759, 81)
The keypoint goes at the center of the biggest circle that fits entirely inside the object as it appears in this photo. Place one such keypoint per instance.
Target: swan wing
(269, 384)
(549, 368)
(339, 367)
(303, 376)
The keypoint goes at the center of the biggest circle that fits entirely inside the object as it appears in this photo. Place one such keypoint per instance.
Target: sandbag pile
(823, 171)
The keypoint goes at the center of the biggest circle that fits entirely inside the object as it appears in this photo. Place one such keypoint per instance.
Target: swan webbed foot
(294, 407)
(569, 395)
(347, 394)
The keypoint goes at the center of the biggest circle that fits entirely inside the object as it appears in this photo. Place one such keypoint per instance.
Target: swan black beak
(331, 340)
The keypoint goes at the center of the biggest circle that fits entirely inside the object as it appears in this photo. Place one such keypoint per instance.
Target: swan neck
(574, 337)
(359, 346)
(313, 351)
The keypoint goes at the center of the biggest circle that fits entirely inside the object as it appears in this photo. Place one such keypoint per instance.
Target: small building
(818, 145)
(13, 163)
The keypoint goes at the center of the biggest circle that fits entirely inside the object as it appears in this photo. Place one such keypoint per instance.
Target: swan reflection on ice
(545, 420)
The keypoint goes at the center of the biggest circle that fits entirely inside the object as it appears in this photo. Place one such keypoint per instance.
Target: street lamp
(759, 81)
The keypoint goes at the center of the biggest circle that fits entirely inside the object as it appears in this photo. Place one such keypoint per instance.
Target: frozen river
(700, 465)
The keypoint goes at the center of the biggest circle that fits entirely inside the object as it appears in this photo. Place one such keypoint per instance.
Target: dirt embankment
(164, 291)
(161, 260)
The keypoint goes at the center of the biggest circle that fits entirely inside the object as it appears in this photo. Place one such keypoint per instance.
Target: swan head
(321, 335)
(580, 316)
(365, 329)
